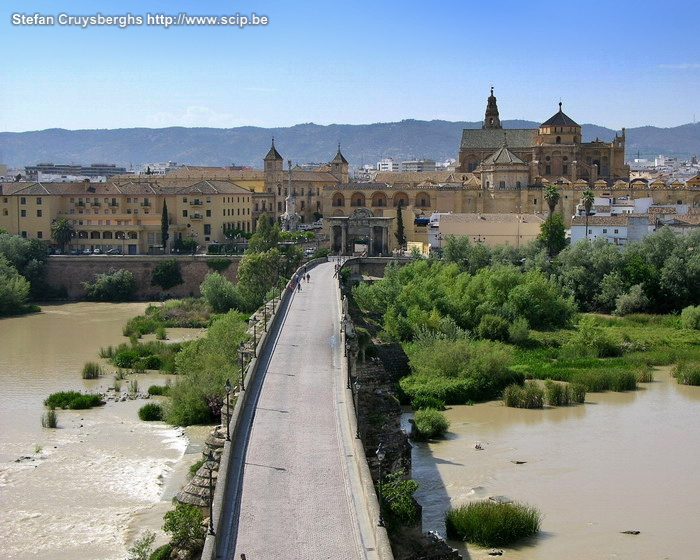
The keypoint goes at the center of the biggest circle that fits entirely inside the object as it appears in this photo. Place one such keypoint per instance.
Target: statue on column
(290, 219)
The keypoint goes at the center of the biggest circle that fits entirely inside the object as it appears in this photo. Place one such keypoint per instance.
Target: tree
(553, 234)
(587, 199)
(164, 226)
(14, 289)
(266, 236)
(219, 293)
(552, 196)
(184, 524)
(400, 233)
(62, 232)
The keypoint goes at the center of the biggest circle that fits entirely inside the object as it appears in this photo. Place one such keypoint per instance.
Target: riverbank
(88, 489)
(619, 462)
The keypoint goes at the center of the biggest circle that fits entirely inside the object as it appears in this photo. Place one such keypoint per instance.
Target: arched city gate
(361, 229)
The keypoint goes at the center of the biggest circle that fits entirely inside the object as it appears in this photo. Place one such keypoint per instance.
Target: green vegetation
(175, 313)
(690, 317)
(458, 371)
(114, 285)
(422, 402)
(159, 390)
(72, 400)
(151, 412)
(49, 419)
(142, 546)
(205, 365)
(399, 509)
(219, 264)
(489, 523)
(194, 467)
(28, 257)
(184, 524)
(167, 274)
(92, 370)
(14, 290)
(162, 552)
(139, 357)
(687, 374)
(220, 294)
(527, 396)
(430, 423)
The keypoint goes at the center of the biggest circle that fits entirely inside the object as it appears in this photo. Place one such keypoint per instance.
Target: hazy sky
(617, 63)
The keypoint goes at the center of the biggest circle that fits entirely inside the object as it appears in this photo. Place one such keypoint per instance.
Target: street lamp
(255, 339)
(227, 388)
(381, 454)
(210, 461)
(240, 354)
(357, 409)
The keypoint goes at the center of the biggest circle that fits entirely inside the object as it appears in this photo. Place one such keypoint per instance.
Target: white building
(387, 164)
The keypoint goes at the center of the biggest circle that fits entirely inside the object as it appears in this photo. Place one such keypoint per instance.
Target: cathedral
(553, 153)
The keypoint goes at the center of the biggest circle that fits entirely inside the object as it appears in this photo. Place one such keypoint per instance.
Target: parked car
(114, 251)
(96, 251)
(309, 251)
(87, 252)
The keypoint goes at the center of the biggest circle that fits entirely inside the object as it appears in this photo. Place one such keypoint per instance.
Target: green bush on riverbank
(429, 423)
(489, 523)
(72, 400)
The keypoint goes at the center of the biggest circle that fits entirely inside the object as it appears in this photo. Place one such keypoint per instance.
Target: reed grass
(529, 396)
(132, 386)
(489, 523)
(687, 373)
(49, 419)
(92, 370)
(430, 423)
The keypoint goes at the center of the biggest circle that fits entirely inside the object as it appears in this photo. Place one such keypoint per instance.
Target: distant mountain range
(302, 143)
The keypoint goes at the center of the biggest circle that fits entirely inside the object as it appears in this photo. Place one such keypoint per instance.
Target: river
(86, 490)
(619, 462)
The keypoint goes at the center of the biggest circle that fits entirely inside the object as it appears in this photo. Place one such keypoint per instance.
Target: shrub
(125, 358)
(166, 274)
(519, 331)
(493, 327)
(196, 466)
(92, 370)
(158, 390)
(151, 412)
(162, 553)
(488, 523)
(430, 423)
(218, 264)
(690, 317)
(398, 506)
(424, 401)
(529, 396)
(598, 381)
(49, 419)
(72, 400)
(578, 392)
(184, 524)
(687, 374)
(160, 333)
(114, 285)
(633, 301)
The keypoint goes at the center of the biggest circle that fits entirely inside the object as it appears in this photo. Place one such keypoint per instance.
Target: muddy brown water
(620, 462)
(86, 490)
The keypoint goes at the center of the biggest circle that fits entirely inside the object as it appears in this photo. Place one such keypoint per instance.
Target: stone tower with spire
(339, 167)
(491, 119)
(274, 169)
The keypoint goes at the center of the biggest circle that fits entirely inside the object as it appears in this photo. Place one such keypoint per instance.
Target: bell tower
(491, 120)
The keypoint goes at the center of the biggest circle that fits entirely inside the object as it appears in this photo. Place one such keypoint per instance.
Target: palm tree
(62, 232)
(587, 199)
(552, 196)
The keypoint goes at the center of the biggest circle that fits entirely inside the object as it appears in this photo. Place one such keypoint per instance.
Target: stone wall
(70, 271)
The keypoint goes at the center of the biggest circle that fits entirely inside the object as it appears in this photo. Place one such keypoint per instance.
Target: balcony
(146, 204)
(196, 216)
(195, 202)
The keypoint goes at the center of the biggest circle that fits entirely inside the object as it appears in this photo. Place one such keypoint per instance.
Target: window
(23, 213)
(617, 231)
(207, 229)
(23, 200)
(38, 200)
(40, 235)
(38, 213)
(517, 184)
(558, 139)
(208, 213)
(24, 234)
(547, 169)
(564, 169)
(605, 230)
(502, 184)
(184, 199)
(184, 213)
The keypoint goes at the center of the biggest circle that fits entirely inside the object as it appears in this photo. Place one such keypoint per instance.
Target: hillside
(302, 143)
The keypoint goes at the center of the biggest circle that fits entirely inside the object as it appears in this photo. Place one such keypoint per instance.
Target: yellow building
(126, 215)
